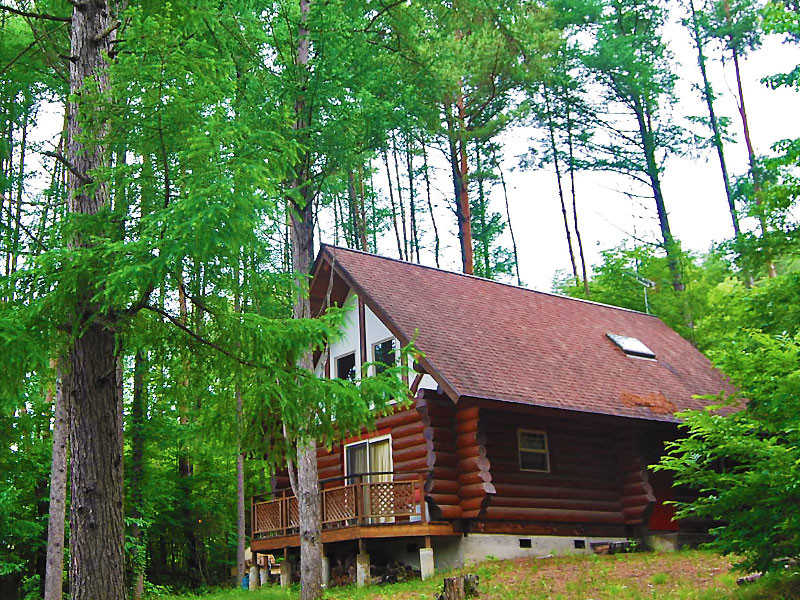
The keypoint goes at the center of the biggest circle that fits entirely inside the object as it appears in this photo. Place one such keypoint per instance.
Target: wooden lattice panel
(267, 517)
(404, 499)
(381, 499)
(293, 513)
(339, 505)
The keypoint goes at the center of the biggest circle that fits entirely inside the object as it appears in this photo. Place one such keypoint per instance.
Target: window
(533, 451)
(346, 366)
(383, 353)
(632, 346)
(370, 456)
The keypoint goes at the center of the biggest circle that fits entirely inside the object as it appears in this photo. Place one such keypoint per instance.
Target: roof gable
(484, 339)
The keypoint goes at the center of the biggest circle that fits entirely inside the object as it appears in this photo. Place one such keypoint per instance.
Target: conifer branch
(30, 15)
(85, 179)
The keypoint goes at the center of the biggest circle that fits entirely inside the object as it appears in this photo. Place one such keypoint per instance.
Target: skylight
(632, 346)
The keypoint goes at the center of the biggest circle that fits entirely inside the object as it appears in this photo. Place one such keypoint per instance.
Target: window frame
(378, 343)
(368, 441)
(355, 366)
(545, 451)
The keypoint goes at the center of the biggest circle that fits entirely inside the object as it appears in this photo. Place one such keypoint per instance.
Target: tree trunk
(554, 150)
(648, 144)
(708, 95)
(508, 220)
(574, 204)
(392, 204)
(96, 520)
(138, 412)
(464, 220)
(412, 208)
(54, 573)
(302, 238)
(430, 203)
(400, 203)
(484, 239)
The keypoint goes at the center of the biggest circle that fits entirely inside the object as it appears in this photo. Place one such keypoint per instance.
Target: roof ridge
(511, 285)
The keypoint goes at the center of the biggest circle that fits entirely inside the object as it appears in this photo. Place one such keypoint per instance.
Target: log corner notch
(441, 482)
(475, 487)
(637, 494)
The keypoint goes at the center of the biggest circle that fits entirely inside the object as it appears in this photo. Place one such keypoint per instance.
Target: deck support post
(362, 569)
(426, 563)
(263, 575)
(286, 569)
(254, 580)
(326, 572)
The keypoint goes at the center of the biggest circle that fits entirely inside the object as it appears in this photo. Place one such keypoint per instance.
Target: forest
(168, 169)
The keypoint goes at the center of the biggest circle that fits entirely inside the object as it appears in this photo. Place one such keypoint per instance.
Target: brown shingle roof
(495, 341)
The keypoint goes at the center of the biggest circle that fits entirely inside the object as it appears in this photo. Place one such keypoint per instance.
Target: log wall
(583, 485)
(441, 485)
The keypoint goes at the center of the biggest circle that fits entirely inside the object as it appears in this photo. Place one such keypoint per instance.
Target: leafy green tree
(744, 465)
(632, 64)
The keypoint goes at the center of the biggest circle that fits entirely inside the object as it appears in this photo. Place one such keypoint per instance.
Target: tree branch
(63, 160)
(187, 330)
(31, 15)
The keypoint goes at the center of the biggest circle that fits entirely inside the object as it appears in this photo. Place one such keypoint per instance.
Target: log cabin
(534, 419)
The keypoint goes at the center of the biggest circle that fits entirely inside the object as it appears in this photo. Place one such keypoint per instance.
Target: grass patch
(685, 575)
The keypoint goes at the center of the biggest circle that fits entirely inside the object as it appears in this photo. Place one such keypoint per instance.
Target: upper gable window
(632, 346)
(346, 366)
(384, 355)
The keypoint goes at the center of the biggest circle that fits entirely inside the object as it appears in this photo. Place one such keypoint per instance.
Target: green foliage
(745, 464)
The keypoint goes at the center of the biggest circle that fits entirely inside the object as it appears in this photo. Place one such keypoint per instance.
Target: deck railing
(359, 500)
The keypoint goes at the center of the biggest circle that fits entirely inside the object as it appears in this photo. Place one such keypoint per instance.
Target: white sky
(693, 189)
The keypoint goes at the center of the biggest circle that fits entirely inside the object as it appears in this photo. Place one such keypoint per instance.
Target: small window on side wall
(533, 451)
(384, 355)
(346, 367)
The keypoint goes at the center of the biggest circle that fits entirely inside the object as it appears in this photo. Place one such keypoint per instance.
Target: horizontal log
(467, 413)
(407, 442)
(558, 503)
(470, 451)
(474, 463)
(411, 429)
(444, 512)
(569, 470)
(444, 499)
(441, 435)
(468, 426)
(474, 477)
(418, 464)
(477, 504)
(633, 477)
(442, 459)
(403, 417)
(634, 515)
(328, 461)
(555, 479)
(543, 491)
(639, 488)
(280, 482)
(552, 514)
(476, 489)
(641, 500)
(440, 472)
(412, 453)
(441, 486)
(436, 408)
(472, 438)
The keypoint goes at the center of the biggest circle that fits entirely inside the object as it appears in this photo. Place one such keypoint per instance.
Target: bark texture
(90, 380)
(54, 572)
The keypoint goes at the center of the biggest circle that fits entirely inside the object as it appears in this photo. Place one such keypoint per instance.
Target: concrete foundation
(286, 573)
(254, 580)
(326, 572)
(263, 575)
(362, 570)
(477, 547)
(426, 562)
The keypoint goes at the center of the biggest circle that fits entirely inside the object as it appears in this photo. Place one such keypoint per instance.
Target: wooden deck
(361, 507)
